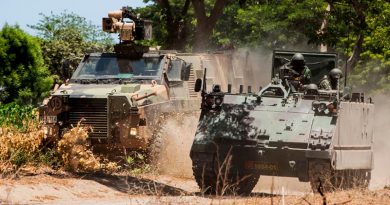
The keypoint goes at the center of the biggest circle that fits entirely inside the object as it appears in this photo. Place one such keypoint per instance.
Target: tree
(22, 69)
(282, 24)
(176, 18)
(372, 72)
(66, 38)
(184, 26)
(205, 22)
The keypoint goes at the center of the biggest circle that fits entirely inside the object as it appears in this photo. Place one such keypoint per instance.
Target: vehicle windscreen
(104, 67)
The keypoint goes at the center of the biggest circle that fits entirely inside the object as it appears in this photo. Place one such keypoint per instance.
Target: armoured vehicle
(321, 136)
(122, 95)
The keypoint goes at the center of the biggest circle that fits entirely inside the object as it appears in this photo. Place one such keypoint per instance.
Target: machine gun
(131, 27)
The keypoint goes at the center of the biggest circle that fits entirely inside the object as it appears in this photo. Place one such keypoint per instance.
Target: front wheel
(222, 180)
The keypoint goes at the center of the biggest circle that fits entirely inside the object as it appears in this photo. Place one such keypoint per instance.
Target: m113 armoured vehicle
(287, 129)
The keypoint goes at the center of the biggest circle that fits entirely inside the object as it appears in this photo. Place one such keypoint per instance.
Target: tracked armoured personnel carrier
(287, 129)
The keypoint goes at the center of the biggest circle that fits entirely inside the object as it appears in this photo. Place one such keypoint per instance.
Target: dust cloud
(381, 175)
(177, 133)
(255, 65)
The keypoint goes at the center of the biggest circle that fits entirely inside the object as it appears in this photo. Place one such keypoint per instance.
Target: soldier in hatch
(297, 64)
(297, 72)
(330, 83)
(325, 83)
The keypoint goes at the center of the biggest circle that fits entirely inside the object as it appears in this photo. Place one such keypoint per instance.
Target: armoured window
(100, 67)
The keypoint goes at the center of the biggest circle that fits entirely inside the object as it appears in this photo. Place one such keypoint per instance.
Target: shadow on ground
(134, 185)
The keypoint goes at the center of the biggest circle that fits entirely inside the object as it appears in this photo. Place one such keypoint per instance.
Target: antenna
(346, 61)
(346, 72)
(204, 90)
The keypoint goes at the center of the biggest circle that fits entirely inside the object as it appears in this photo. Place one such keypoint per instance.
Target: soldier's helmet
(312, 89)
(297, 60)
(336, 73)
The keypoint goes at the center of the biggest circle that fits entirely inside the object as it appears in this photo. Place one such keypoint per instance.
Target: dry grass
(73, 148)
(18, 148)
(30, 148)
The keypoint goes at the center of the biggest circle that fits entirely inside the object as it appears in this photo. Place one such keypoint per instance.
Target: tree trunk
(205, 24)
(324, 25)
(357, 49)
(175, 24)
(202, 36)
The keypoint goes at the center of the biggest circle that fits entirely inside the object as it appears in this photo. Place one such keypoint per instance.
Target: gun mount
(131, 27)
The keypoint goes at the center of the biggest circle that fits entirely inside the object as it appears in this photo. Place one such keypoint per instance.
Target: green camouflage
(282, 132)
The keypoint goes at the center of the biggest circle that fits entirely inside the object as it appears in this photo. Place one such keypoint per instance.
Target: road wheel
(324, 179)
(354, 178)
(215, 181)
(320, 176)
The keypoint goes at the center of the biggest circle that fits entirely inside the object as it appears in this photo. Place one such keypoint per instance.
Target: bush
(24, 76)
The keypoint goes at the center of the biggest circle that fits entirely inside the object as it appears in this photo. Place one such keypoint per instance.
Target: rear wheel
(348, 179)
(221, 180)
(324, 179)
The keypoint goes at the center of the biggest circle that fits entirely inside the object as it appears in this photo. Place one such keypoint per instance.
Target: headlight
(210, 100)
(214, 101)
(218, 101)
(133, 131)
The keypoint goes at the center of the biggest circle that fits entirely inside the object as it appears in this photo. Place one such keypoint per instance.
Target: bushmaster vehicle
(121, 95)
(286, 129)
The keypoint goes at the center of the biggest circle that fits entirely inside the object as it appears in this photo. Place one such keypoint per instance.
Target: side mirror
(198, 85)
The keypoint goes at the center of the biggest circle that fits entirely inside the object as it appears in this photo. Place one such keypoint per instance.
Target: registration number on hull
(260, 166)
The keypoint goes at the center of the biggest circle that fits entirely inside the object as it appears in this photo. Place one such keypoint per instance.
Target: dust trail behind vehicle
(381, 174)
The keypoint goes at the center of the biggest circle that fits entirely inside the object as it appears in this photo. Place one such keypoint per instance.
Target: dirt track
(176, 185)
(152, 189)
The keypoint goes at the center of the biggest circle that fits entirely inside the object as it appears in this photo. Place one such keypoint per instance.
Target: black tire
(324, 179)
(320, 176)
(212, 183)
(349, 179)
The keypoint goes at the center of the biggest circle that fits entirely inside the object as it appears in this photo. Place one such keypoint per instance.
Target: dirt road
(159, 189)
(176, 186)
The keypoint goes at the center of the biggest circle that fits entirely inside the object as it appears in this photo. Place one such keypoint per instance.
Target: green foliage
(49, 157)
(18, 116)
(136, 163)
(66, 37)
(22, 69)
(373, 71)
(171, 29)
(276, 24)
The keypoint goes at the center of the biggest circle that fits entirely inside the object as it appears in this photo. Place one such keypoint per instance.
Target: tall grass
(23, 142)
(21, 117)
